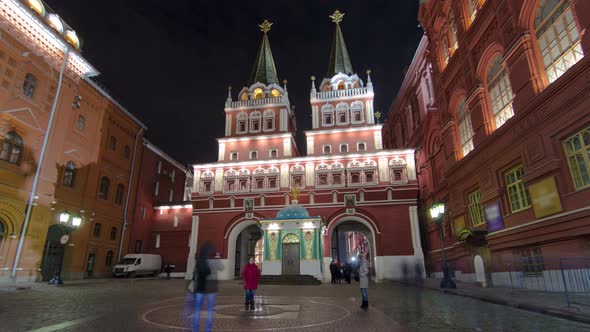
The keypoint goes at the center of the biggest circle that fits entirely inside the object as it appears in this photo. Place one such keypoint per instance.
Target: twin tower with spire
(260, 123)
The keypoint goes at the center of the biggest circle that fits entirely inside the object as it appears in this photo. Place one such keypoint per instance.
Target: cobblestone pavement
(162, 305)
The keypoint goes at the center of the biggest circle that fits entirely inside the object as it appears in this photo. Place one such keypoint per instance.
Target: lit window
(518, 193)
(258, 93)
(244, 96)
(29, 85)
(112, 143)
(474, 7)
(558, 36)
(452, 32)
(344, 148)
(577, 152)
(104, 186)
(12, 148)
(69, 177)
(341, 85)
(81, 123)
(465, 128)
(361, 146)
(327, 149)
(275, 93)
(476, 209)
(500, 92)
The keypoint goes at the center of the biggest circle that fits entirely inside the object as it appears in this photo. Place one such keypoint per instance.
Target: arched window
(12, 148)
(342, 114)
(119, 194)
(255, 121)
(356, 113)
(454, 44)
(113, 233)
(96, 230)
(258, 93)
(327, 149)
(244, 96)
(444, 45)
(474, 6)
(126, 152)
(241, 126)
(273, 153)
(2, 232)
(465, 128)
(341, 85)
(69, 177)
(327, 115)
(269, 120)
(109, 258)
(275, 93)
(103, 190)
(112, 143)
(558, 36)
(29, 85)
(500, 92)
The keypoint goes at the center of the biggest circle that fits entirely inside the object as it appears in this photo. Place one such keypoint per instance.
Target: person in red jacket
(250, 275)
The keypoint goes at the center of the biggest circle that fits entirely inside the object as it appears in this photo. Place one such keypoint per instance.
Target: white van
(138, 264)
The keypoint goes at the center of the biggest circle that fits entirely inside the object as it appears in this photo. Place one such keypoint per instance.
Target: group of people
(360, 273)
(204, 284)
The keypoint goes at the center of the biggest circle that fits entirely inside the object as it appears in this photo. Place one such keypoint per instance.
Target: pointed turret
(264, 70)
(339, 59)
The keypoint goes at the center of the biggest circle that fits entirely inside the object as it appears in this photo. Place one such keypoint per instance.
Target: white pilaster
(228, 125)
(378, 140)
(221, 155)
(383, 165)
(219, 179)
(310, 174)
(284, 176)
(190, 260)
(411, 167)
(315, 115)
(287, 151)
(196, 180)
(369, 113)
(284, 120)
(310, 142)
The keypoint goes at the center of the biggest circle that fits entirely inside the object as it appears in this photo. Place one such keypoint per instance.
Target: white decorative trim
(343, 130)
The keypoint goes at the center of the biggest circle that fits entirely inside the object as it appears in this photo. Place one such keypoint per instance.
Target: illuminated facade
(88, 167)
(504, 138)
(263, 195)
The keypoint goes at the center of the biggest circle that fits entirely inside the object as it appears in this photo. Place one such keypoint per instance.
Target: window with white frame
(255, 118)
(343, 148)
(297, 175)
(327, 149)
(465, 128)
(233, 156)
(397, 171)
(258, 183)
(357, 114)
(207, 180)
(362, 173)
(500, 92)
(242, 123)
(253, 155)
(361, 146)
(269, 120)
(327, 115)
(330, 175)
(342, 114)
(273, 153)
(272, 183)
(559, 37)
(258, 178)
(236, 181)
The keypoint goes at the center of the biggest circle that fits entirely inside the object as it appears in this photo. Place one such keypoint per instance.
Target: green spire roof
(264, 70)
(339, 59)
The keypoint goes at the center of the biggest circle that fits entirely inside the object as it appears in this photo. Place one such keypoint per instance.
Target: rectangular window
(344, 148)
(361, 147)
(577, 152)
(159, 167)
(253, 155)
(327, 149)
(274, 153)
(113, 233)
(172, 175)
(476, 209)
(532, 261)
(157, 189)
(175, 220)
(143, 209)
(233, 156)
(337, 179)
(518, 193)
(157, 240)
(81, 123)
(170, 195)
(137, 246)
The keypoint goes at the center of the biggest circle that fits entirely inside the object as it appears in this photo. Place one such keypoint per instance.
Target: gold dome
(37, 6)
(55, 22)
(72, 38)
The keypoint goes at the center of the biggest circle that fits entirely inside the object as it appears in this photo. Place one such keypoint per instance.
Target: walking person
(204, 286)
(363, 272)
(250, 276)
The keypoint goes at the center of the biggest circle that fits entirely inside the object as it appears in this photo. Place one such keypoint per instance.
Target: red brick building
(294, 213)
(163, 214)
(505, 143)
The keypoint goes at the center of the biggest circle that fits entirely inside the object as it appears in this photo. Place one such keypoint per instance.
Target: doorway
(349, 240)
(53, 253)
(90, 264)
(290, 255)
(246, 247)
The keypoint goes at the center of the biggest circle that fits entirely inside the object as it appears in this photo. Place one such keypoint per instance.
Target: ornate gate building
(296, 213)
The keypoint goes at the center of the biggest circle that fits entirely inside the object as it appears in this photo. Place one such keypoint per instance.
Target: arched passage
(229, 268)
(53, 252)
(349, 239)
(247, 246)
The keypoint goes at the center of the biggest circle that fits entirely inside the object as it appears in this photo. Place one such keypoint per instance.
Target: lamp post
(437, 212)
(70, 222)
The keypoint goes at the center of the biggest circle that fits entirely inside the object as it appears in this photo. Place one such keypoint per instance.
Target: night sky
(170, 62)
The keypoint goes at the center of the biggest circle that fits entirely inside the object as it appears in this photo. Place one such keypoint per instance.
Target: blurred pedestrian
(168, 269)
(363, 272)
(333, 268)
(204, 285)
(347, 272)
(250, 276)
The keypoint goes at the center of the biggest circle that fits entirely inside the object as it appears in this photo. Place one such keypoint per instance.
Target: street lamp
(437, 212)
(64, 217)
(76, 221)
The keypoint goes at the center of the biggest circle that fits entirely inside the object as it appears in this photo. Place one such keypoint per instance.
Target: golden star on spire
(337, 17)
(265, 26)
